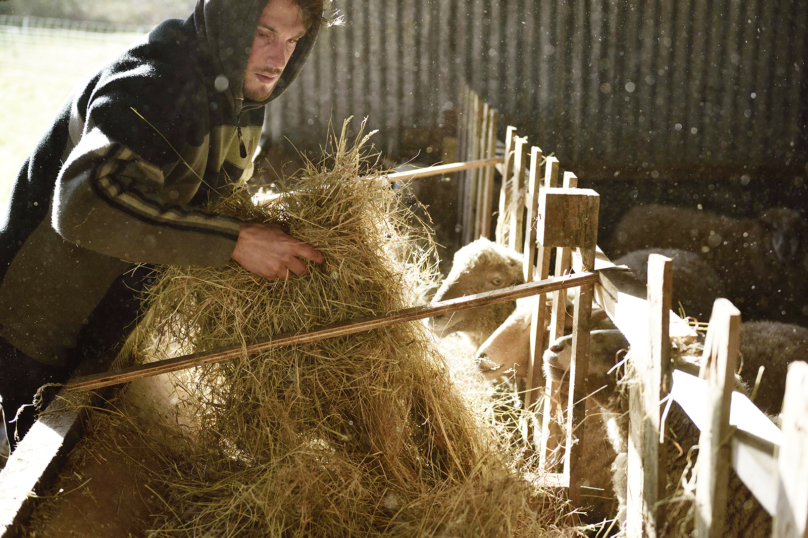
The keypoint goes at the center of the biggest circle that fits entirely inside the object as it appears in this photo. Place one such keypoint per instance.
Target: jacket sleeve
(111, 194)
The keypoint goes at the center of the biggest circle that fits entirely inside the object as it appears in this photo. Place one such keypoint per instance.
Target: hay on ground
(364, 435)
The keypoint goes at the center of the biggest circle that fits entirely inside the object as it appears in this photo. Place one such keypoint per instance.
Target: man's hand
(264, 249)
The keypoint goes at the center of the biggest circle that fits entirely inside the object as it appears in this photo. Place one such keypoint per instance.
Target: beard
(255, 90)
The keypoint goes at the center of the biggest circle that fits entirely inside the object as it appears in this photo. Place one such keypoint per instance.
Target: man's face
(280, 28)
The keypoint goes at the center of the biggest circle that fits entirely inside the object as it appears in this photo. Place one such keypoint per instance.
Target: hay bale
(362, 435)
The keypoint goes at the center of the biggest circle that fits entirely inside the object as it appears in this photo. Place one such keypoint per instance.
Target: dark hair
(312, 12)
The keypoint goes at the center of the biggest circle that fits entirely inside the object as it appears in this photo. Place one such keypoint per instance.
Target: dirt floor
(103, 489)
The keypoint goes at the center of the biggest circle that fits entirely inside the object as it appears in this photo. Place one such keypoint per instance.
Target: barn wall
(664, 81)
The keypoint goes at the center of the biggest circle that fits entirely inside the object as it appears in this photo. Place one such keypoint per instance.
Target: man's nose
(277, 56)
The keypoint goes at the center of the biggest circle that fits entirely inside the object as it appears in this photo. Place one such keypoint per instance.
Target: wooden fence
(771, 462)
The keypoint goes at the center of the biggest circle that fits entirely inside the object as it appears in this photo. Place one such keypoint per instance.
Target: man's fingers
(310, 253)
(297, 267)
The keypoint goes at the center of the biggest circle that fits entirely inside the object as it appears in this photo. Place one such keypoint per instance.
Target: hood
(226, 29)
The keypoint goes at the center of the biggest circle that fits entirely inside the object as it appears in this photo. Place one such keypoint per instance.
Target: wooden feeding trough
(773, 465)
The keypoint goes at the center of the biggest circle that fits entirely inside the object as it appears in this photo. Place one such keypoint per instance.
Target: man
(120, 177)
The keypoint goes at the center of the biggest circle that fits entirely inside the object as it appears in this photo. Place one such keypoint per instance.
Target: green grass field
(37, 73)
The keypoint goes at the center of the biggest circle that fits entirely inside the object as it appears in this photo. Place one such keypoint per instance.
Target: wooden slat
(469, 205)
(646, 476)
(718, 367)
(582, 223)
(754, 443)
(37, 459)
(791, 519)
(558, 321)
(483, 149)
(562, 267)
(486, 210)
(338, 329)
(532, 205)
(542, 267)
(515, 237)
(507, 173)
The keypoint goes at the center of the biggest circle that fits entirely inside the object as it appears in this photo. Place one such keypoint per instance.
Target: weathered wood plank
(571, 215)
(791, 519)
(507, 177)
(38, 458)
(532, 205)
(480, 174)
(515, 237)
(583, 210)
(712, 468)
(486, 211)
(542, 267)
(646, 463)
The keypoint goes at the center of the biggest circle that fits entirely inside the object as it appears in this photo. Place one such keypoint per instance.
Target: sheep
(744, 516)
(774, 346)
(478, 267)
(763, 262)
(696, 285)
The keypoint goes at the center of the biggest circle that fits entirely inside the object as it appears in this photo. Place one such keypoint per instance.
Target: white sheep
(478, 267)
(762, 262)
(744, 517)
(507, 350)
(773, 346)
(696, 285)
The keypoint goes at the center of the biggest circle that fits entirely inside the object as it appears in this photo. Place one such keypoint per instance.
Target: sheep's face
(786, 233)
(605, 347)
(476, 268)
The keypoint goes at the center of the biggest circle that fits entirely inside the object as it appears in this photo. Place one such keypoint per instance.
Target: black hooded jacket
(121, 175)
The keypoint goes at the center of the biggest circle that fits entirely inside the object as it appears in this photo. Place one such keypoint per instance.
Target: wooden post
(563, 266)
(534, 376)
(517, 203)
(558, 322)
(533, 187)
(646, 458)
(462, 156)
(791, 518)
(469, 204)
(482, 147)
(574, 218)
(505, 189)
(486, 211)
(715, 455)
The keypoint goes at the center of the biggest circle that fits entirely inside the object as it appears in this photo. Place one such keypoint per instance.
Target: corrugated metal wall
(664, 81)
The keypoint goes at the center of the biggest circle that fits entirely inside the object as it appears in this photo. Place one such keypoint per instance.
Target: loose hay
(362, 435)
